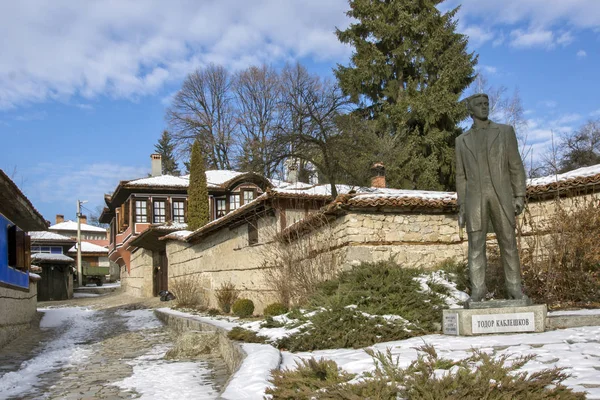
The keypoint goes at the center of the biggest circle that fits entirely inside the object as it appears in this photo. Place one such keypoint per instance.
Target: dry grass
(188, 292)
(226, 295)
(293, 267)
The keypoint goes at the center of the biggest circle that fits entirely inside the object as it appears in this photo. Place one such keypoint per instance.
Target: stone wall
(18, 311)
(138, 282)
(225, 256)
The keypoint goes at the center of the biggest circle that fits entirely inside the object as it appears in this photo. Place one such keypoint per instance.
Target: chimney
(60, 218)
(292, 170)
(83, 219)
(378, 175)
(156, 164)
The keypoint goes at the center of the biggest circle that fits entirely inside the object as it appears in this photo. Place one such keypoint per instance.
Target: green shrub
(246, 335)
(271, 323)
(346, 327)
(213, 312)
(383, 288)
(458, 272)
(226, 295)
(480, 376)
(243, 308)
(274, 309)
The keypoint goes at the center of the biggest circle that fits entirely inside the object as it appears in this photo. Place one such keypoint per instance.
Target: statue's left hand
(519, 205)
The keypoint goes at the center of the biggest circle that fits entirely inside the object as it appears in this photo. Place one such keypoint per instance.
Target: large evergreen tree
(165, 147)
(197, 191)
(407, 72)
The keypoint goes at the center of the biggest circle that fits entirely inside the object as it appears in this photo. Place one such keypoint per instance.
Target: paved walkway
(107, 347)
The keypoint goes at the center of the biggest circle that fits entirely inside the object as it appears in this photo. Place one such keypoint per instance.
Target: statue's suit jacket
(506, 171)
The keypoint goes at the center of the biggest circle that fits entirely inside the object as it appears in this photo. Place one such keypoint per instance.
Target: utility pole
(79, 269)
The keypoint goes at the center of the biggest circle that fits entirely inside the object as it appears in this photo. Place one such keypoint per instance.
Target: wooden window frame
(178, 212)
(156, 212)
(223, 211)
(141, 211)
(19, 248)
(237, 204)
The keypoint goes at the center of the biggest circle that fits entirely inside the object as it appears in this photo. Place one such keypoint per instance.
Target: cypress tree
(407, 72)
(165, 147)
(197, 190)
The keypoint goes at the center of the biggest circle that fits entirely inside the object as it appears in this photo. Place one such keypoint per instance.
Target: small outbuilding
(57, 276)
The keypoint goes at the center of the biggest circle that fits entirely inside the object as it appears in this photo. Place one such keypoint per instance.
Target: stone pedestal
(481, 321)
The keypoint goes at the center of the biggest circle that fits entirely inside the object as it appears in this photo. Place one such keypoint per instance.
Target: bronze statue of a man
(490, 183)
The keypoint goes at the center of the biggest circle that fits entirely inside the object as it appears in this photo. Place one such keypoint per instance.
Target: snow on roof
(576, 173)
(168, 227)
(217, 177)
(48, 236)
(313, 190)
(161, 180)
(87, 247)
(72, 226)
(178, 235)
(374, 193)
(51, 257)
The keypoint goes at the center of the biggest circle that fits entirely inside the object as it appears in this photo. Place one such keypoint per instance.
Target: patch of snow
(72, 226)
(106, 285)
(87, 247)
(576, 173)
(374, 193)
(221, 322)
(174, 225)
(178, 235)
(456, 297)
(45, 235)
(34, 276)
(217, 177)
(592, 311)
(252, 378)
(76, 325)
(574, 349)
(51, 257)
(138, 320)
(156, 378)
(82, 295)
(161, 180)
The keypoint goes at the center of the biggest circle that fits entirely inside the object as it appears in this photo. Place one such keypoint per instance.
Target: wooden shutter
(168, 212)
(27, 255)
(185, 210)
(12, 245)
(20, 249)
(149, 210)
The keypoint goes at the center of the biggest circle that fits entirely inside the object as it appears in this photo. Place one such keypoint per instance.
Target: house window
(252, 232)
(221, 208)
(248, 196)
(47, 249)
(141, 213)
(160, 214)
(178, 211)
(234, 202)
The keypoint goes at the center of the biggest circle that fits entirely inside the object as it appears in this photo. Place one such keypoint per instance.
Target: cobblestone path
(115, 353)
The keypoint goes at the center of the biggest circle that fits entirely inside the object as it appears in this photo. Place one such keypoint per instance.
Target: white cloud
(540, 13)
(527, 39)
(124, 49)
(477, 35)
(595, 113)
(581, 54)
(565, 39)
(64, 184)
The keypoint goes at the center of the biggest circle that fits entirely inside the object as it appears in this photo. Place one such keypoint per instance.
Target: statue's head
(479, 106)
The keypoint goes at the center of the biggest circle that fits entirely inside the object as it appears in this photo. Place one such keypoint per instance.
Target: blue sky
(84, 85)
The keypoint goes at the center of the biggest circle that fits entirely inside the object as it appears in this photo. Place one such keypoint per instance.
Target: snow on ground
(82, 295)
(156, 378)
(138, 320)
(455, 297)
(575, 349)
(75, 325)
(106, 285)
(593, 311)
(252, 378)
